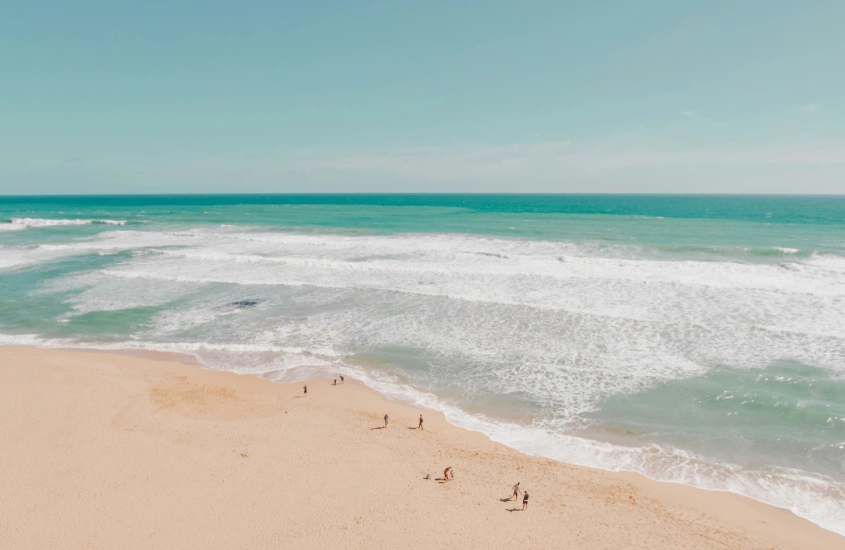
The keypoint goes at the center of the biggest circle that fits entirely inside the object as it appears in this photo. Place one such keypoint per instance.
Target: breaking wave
(21, 223)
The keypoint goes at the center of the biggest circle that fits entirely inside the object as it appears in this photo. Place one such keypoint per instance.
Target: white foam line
(413, 292)
(11, 227)
(42, 222)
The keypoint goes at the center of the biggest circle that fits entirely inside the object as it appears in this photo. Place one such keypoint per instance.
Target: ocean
(694, 339)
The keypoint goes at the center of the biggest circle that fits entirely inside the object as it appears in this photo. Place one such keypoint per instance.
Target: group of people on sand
(448, 473)
(305, 387)
(419, 426)
(515, 496)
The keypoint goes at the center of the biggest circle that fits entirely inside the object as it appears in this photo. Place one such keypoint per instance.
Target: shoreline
(187, 358)
(155, 413)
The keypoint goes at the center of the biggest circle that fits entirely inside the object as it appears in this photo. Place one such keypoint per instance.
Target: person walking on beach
(305, 389)
(525, 500)
(385, 420)
(420, 426)
(515, 491)
(341, 379)
(447, 473)
(335, 381)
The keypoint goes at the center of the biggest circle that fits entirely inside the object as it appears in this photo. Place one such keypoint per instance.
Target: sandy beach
(108, 450)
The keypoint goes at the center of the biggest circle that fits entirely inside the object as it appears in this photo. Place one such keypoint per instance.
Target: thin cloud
(539, 161)
(686, 113)
(813, 108)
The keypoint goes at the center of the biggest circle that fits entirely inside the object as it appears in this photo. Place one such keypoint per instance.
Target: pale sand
(119, 451)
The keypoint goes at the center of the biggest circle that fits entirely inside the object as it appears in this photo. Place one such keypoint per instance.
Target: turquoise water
(696, 339)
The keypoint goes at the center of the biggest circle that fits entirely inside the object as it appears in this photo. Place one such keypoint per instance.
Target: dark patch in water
(241, 304)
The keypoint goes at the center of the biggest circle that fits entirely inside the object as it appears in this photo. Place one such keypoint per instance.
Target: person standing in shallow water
(385, 420)
(420, 426)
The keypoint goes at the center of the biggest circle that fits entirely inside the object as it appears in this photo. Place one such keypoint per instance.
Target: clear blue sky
(255, 96)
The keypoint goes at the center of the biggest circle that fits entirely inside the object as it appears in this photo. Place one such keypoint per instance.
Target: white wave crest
(42, 222)
(11, 227)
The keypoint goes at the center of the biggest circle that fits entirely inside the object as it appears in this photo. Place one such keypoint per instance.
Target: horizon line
(410, 193)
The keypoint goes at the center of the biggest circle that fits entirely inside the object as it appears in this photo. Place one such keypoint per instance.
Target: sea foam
(41, 222)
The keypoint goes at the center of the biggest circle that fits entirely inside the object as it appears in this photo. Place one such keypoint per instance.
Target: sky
(557, 97)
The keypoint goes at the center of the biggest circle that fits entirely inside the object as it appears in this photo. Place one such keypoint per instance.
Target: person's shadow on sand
(377, 428)
(515, 510)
